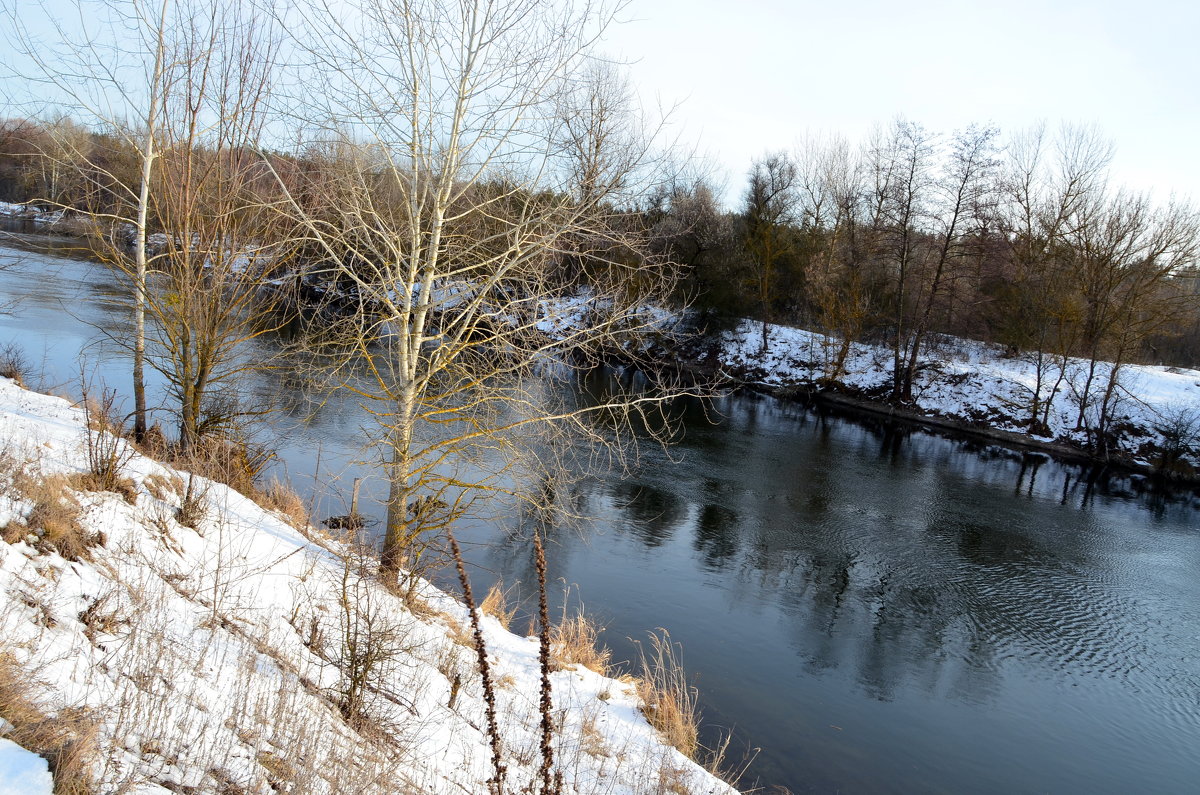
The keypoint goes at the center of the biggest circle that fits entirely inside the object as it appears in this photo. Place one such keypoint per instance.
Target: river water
(877, 609)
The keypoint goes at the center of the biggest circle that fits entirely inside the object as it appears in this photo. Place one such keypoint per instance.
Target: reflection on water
(880, 610)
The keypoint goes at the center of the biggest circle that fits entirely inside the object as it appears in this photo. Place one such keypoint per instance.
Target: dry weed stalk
(496, 783)
(551, 784)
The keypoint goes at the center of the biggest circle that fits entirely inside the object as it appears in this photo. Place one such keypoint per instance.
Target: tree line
(1023, 242)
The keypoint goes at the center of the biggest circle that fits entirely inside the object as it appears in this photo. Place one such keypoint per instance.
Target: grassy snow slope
(975, 382)
(214, 660)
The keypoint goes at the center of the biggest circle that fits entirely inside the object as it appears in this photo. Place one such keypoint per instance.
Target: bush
(107, 451)
(13, 363)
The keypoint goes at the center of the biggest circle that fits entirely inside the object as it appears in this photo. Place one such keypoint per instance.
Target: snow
(23, 772)
(19, 210)
(207, 658)
(972, 381)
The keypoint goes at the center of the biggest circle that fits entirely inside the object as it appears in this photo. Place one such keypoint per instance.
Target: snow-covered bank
(31, 212)
(1155, 411)
(217, 659)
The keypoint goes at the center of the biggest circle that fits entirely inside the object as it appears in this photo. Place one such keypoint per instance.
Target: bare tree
(768, 217)
(1124, 249)
(112, 81)
(217, 240)
(193, 86)
(446, 218)
(1044, 186)
(833, 208)
(961, 209)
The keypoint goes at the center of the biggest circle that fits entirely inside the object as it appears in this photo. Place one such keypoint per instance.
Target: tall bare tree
(105, 63)
(769, 208)
(210, 200)
(448, 210)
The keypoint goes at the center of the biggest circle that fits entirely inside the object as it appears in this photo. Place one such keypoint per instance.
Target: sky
(757, 75)
(751, 76)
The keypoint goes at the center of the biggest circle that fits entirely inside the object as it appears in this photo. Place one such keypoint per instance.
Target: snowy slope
(207, 659)
(23, 772)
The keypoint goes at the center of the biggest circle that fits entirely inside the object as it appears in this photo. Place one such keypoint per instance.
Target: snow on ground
(19, 210)
(23, 772)
(975, 382)
(30, 211)
(214, 660)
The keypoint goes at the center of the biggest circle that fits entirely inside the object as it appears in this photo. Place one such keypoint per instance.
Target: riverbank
(962, 387)
(214, 655)
(971, 388)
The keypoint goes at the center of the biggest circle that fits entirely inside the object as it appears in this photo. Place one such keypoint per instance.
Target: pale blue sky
(756, 75)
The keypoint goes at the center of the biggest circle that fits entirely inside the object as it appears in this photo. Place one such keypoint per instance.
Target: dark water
(878, 610)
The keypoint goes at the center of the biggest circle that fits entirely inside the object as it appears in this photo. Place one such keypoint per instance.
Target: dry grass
(668, 701)
(575, 641)
(163, 487)
(54, 520)
(67, 740)
(234, 463)
(496, 605)
(281, 498)
(90, 481)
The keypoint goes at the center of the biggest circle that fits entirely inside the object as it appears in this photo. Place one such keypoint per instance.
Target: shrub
(107, 451)
(13, 363)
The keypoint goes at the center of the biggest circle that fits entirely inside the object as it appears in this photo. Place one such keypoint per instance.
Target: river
(877, 609)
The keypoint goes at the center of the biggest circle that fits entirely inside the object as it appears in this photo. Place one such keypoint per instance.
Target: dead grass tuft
(280, 771)
(67, 740)
(154, 444)
(100, 618)
(668, 701)
(193, 504)
(496, 605)
(281, 498)
(575, 641)
(54, 519)
(90, 481)
(162, 487)
(236, 464)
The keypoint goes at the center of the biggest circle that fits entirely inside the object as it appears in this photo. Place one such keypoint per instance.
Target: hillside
(246, 655)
